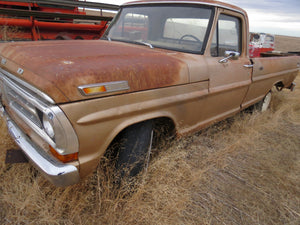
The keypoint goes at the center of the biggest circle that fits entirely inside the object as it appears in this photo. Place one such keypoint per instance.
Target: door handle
(248, 66)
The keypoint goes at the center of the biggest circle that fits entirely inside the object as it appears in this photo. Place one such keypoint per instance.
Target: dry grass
(10, 33)
(286, 43)
(245, 170)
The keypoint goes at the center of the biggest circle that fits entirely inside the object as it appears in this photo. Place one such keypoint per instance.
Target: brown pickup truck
(181, 63)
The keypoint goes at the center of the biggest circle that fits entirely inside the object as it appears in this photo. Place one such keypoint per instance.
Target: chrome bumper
(58, 173)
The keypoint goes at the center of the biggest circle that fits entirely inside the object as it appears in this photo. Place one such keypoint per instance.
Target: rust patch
(67, 65)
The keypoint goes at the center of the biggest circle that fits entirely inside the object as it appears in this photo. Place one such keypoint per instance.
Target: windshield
(177, 27)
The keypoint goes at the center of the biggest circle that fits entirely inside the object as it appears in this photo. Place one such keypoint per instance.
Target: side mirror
(230, 55)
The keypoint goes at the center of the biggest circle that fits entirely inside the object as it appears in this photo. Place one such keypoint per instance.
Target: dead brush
(9, 33)
(244, 170)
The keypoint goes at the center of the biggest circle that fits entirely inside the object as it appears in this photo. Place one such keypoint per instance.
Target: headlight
(58, 131)
(59, 134)
(48, 125)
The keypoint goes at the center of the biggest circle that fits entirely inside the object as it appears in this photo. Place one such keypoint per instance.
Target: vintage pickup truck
(181, 63)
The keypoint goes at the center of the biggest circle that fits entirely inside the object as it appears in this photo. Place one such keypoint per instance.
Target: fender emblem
(3, 61)
(20, 71)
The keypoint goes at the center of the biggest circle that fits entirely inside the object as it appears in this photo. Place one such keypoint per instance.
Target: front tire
(134, 149)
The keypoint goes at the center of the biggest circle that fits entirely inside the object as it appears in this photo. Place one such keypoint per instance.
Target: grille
(23, 108)
(28, 105)
(18, 99)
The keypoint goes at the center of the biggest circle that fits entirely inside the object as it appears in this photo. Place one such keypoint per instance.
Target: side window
(227, 36)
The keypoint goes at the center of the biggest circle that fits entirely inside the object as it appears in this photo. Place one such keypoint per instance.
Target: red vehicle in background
(259, 43)
(26, 20)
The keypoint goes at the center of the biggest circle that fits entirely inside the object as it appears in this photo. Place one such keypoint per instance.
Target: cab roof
(200, 2)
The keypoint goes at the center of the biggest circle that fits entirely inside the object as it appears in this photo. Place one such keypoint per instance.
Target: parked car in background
(259, 43)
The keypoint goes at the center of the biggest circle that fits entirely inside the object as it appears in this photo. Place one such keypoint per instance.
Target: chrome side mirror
(230, 55)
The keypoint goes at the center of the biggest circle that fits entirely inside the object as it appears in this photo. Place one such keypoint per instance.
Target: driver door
(229, 78)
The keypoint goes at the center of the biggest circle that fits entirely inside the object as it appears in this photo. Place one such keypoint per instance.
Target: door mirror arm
(230, 55)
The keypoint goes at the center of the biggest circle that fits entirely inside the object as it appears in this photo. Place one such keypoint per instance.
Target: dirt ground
(244, 170)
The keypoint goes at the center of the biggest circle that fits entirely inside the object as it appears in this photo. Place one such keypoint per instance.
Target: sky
(280, 17)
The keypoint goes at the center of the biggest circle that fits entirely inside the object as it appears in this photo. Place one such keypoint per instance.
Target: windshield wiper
(128, 41)
(139, 43)
(145, 43)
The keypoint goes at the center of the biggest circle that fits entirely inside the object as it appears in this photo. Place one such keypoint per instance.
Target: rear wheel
(264, 104)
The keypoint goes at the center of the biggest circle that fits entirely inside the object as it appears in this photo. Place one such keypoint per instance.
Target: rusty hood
(58, 68)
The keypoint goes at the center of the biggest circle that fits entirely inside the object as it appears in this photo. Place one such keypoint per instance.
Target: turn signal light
(103, 88)
(64, 158)
(94, 90)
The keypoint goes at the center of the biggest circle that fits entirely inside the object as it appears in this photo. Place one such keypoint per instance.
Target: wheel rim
(266, 102)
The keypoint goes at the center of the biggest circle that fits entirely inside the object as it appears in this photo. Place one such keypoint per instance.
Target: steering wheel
(191, 36)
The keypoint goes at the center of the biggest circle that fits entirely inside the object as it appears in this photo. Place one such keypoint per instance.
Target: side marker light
(103, 88)
(64, 158)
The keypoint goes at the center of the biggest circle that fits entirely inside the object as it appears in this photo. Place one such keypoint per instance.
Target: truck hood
(58, 67)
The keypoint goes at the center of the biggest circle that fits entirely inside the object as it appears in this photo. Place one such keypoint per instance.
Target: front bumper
(58, 173)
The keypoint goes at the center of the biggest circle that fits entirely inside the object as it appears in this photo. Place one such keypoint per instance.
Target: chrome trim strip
(185, 2)
(31, 88)
(57, 173)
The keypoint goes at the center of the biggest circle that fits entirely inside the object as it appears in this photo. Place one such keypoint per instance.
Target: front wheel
(134, 149)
